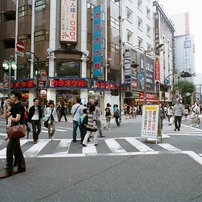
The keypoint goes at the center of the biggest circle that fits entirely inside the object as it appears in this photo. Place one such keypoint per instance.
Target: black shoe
(175, 129)
(178, 129)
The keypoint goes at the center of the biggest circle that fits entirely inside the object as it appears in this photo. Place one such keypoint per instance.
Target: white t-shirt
(79, 110)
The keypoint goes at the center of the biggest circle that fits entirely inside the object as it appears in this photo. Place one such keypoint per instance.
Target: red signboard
(156, 70)
(20, 46)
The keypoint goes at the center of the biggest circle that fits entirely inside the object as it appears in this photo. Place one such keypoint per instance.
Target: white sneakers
(197, 126)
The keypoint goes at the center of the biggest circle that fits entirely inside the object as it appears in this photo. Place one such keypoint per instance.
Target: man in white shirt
(76, 112)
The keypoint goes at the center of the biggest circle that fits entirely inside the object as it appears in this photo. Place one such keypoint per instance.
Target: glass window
(26, 38)
(129, 14)
(140, 24)
(67, 69)
(114, 23)
(22, 11)
(41, 35)
(40, 5)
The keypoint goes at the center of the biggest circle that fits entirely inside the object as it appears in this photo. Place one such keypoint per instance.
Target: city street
(120, 168)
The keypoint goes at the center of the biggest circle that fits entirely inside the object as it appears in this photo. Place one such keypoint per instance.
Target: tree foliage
(184, 87)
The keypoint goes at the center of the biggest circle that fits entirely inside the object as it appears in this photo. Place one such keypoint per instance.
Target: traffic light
(185, 74)
(115, 91)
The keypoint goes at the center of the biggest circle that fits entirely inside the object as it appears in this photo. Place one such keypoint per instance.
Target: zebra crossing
(47, 148)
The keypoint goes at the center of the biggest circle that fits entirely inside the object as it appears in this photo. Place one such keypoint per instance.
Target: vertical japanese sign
(156, 34)
(156, 69)
(187, 54)
(68, 27)
(150, 121)
(97, 41)
(149, 72)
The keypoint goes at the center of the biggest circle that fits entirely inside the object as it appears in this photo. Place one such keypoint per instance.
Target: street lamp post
(8, 64)
(28, 53)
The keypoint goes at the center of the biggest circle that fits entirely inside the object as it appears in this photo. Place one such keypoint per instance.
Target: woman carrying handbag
(17, 113)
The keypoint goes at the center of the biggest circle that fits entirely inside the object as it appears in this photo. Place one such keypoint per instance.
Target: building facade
(78, 49)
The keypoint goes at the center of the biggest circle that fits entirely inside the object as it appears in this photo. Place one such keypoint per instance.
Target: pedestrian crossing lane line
(36, 148)
(63, 147)
(3, 151)
(139, 145)
(114, 146)
(90, 149)
(169, 147)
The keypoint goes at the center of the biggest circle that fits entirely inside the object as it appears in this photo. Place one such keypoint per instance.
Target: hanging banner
(97, 41)
(68, 26)
(150, 122)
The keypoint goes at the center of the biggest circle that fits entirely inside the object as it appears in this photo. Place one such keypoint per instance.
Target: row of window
(39, 6)
(40, 35)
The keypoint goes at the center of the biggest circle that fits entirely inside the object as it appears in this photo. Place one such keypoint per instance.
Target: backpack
(85, 120)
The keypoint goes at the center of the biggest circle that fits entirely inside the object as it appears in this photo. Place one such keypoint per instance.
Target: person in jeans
(91, 126)
(117, 115)
(51, 114)
(17, 112)
(97, 115)
(35, 118)
(178, 112)
(76, 112)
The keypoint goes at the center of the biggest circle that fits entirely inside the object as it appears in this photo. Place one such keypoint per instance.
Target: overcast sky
(173, 7)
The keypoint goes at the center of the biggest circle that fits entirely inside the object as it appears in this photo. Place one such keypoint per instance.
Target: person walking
(35, 118)
(76, 112)
(194, 113)
(63, 111)
(91, 126)
(108, 115)
(178, 112)
(81, 124)
(51, 114)
(97, 116)
(170, 114)
(17, 112)
(117, 115)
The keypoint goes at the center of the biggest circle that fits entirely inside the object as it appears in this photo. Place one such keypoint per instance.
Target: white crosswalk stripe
(62, 148)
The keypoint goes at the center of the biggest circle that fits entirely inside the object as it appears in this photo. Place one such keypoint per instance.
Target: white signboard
(150, 121)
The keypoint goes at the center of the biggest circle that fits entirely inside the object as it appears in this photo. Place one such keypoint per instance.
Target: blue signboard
(97, 41)
(166, 82)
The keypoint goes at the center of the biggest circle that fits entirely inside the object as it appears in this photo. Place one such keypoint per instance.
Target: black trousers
(14, 147)
(178, 122)
(36, 124)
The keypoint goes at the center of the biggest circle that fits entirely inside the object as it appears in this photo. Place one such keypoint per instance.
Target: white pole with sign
(151, 123)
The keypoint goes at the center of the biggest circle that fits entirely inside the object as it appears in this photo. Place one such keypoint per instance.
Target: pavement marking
(194, 155)
(35, 149)
(139, 145)
(114, 146)
(63, 147)
(90, 149)
(169, 147)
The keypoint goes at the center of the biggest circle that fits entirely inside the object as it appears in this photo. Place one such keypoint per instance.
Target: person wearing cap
(108, 115)
(178, 112)
(97, 115)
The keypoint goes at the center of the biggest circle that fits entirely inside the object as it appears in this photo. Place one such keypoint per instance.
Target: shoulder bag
(46, 122)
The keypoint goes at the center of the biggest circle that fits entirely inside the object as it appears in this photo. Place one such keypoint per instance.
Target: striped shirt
(91, 118)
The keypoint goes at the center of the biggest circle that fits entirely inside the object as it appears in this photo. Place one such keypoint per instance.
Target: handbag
(17, 131)
(46, 124)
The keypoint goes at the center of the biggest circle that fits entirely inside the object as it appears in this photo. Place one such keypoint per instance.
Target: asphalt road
(121, 168)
